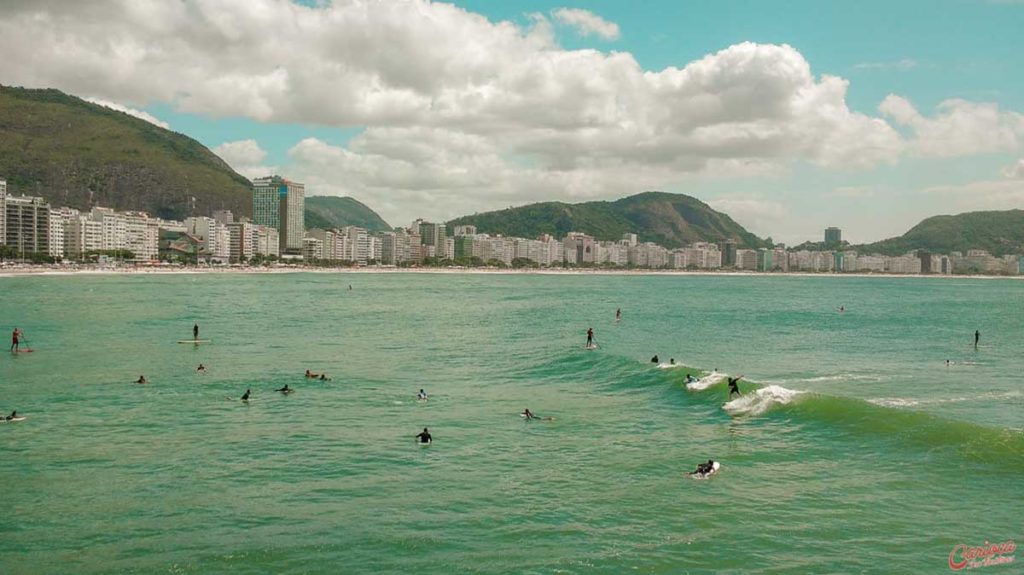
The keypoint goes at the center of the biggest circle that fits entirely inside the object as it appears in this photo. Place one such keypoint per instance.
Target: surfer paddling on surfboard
(285, 390)
(705, 469)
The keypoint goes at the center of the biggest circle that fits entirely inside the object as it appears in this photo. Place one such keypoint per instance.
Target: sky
(790, 116)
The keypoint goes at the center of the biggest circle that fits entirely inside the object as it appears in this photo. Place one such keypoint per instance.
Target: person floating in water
(195, 331)
(422, 395)
(618, 315)
(285, 390)
(312, 375)
(142, 379)
(733, 387)
(201, 368)
(977, 336)
(528, 414)
(655, 359)
(948, 363)
(245, 396)
(16, 337)
(425, 436)
(590, 337)
(703, 468)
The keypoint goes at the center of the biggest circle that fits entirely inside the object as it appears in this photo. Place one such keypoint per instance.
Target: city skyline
(896, 114)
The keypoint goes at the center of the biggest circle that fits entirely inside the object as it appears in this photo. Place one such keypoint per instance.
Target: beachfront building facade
(26, 224)
(281, 204)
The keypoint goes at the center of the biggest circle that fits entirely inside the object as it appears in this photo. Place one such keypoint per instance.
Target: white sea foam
(670, 365)
(761, 400)
(707, 381)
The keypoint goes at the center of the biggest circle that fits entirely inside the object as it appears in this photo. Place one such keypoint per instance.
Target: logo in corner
(968, 557)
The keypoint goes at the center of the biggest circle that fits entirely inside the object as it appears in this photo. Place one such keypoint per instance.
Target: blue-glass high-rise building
(281, 204)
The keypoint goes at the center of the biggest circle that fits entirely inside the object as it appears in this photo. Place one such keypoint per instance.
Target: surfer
(142, 379)
(13, 415)
(425, 436)
(245, 397)
(285, 390)
(977, 336)
(733, 388)
(703, 468)
(323, 377)
(311, 375)
(690, 378)
(422, 395)
(16, 335)
(947, 363)
(201, 368)
(842, 309)
(671, 361)
(654, 359)
(528, 414)
(618, 315)
(195, 331)
(590, 337)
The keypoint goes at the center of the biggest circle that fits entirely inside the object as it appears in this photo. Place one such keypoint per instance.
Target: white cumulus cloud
(959, 127)
(1016, 171)
(587, 23)
(130, 111)
(245, 157)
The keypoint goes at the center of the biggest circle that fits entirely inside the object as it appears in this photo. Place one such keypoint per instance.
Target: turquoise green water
(885, 462)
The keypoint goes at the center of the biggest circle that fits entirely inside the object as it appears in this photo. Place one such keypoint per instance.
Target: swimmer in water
(422, 395)
(425, 437)
(142, 379)
(654, 359)
(201, 368)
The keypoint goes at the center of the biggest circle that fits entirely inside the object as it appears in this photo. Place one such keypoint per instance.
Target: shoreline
(39, 271)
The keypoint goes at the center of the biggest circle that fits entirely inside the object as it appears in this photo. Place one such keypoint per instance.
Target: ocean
(855, 448)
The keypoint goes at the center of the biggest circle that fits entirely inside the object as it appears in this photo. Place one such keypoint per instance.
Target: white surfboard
(12, 420)
(195, 341)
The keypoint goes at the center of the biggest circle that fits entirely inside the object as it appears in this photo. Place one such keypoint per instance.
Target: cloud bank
(461, 114)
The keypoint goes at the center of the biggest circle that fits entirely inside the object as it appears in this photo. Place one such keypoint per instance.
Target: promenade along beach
(855, 447)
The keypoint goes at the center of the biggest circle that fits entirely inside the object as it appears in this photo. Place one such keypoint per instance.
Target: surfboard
(195, 341)
(714, 469)
(425, 443)
(23, 351)
(590, 346)
(15, 420)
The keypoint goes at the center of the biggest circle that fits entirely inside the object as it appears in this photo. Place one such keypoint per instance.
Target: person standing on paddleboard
(977, 336)
(15, 335)
(195, 331)
(590, 337)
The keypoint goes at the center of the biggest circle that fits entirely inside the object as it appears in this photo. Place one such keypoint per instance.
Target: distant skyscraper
(728, 248)
(281, 204)
(27, 224)
(833, 236)
(434, 235)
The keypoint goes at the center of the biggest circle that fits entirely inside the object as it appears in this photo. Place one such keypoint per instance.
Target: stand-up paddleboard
(12, 420)
(592, 346)
(23, 351)
(715, 466)
(195, 341)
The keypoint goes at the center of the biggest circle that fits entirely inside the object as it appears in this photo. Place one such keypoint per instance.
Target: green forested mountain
(78, 154)
(671, 220)
(329, 212)
(999, 232)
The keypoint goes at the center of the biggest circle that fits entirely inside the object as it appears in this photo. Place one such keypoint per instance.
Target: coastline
(33, 271)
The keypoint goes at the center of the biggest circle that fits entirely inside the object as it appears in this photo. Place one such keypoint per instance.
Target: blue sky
(418, 109)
